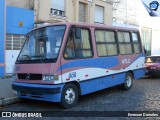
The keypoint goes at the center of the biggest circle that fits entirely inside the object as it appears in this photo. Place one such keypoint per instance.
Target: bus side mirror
(77, 33)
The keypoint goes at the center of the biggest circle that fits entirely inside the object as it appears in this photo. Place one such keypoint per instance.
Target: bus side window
(70, 47)
(125, 44)
(83, 45)
(106, 43)
(78, 45)
(136, 43)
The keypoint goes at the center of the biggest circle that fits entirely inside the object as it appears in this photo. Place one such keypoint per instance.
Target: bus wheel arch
(70, 94)
(132, 73)
(128, 81)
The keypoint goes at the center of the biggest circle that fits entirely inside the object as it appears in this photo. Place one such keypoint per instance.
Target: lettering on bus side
(72, 75)
(126, 61)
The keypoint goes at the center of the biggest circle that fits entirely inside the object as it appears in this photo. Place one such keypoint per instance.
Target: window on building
(82, 12)
(78, 48)
(58, 7)
(99, 14)
(14, 42)
(106, 43)
(115, 4)
(125, 44)
(146, 35)
(136, 43)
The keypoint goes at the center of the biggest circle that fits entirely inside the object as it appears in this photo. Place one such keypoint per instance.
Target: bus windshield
(42, 44)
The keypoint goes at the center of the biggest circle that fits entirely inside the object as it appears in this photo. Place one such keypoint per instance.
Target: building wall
(155, 39)
(125, 11)
(42, 10)
(2, 37)
(133, 13)
(26, 4)
(19, 21)
(129, 11)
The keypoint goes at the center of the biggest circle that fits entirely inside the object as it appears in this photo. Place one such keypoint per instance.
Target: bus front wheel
(128, 82)
(69, 96)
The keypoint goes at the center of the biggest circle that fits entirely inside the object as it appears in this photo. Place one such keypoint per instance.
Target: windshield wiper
(37, 56)
(27, 56)
(41, 57)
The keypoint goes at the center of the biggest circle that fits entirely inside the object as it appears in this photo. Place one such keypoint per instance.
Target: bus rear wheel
(69, 96)
(128, 82)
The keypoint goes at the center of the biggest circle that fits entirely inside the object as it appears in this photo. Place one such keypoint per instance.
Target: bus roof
(101, 26)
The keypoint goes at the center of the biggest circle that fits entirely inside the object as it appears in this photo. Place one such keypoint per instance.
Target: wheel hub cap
(70, 96)
(129, 81)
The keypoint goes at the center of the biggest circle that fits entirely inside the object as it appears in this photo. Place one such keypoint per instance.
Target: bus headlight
(50, 77)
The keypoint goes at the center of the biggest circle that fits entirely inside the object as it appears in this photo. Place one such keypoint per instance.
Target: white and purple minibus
(60, 62)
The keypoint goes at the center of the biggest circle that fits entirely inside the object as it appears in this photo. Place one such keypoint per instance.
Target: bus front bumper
(51, 93)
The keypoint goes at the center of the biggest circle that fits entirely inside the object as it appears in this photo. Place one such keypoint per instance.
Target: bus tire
(69, 96)
(128, 82)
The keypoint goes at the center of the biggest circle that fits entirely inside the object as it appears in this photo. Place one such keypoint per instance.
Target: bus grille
(30, 76)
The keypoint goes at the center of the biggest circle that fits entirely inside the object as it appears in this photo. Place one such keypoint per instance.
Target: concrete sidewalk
(6, 93)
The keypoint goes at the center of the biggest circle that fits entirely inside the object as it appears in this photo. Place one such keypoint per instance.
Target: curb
(8, 101)
(1, 78)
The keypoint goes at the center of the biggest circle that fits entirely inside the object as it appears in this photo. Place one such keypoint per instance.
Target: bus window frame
(110, 30)
(139, 41)
(125, 42)
(90, 40)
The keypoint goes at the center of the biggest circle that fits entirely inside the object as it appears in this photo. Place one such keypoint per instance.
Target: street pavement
(143, 96)
(7, 96)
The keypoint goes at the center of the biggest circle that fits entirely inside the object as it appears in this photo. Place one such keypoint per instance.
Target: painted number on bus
(72, 75)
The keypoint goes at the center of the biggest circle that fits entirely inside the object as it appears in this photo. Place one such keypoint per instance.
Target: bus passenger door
(76, 52)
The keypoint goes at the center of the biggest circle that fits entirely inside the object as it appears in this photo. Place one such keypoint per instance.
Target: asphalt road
(143, 96)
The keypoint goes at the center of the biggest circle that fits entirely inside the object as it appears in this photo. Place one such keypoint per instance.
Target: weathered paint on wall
(19, 21)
